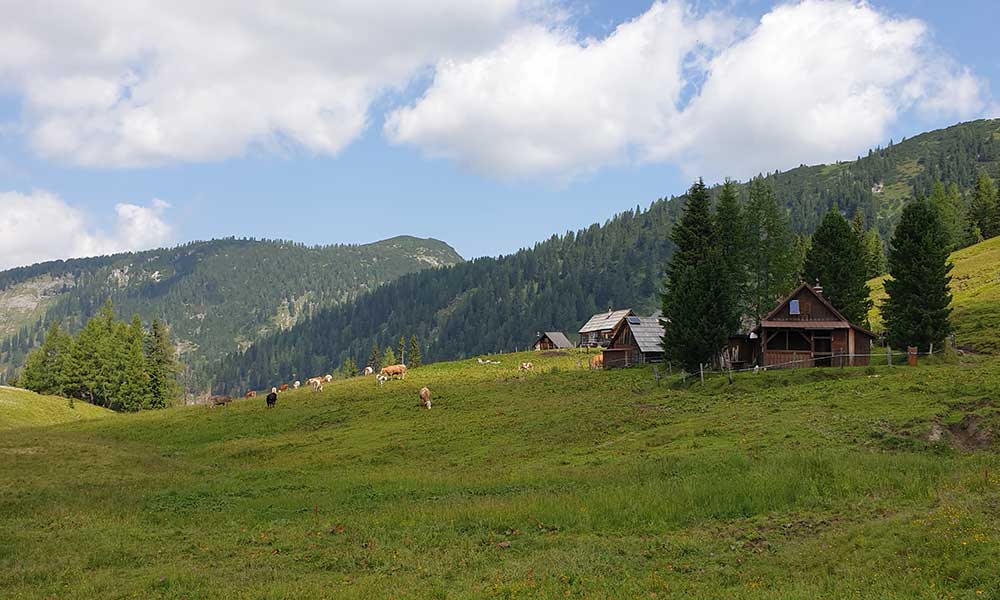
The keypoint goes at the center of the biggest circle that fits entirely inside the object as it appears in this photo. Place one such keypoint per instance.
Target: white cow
(368, 371)
(297, 384)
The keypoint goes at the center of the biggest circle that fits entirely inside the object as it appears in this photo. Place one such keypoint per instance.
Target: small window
(793, 307)
(634, 320)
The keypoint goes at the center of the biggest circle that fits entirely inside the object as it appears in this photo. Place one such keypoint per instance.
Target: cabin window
(789, 340)
(793, 307)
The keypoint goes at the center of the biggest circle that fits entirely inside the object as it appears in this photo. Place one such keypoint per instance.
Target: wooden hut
(805, 330)
(553, 340)
(599, 329)
(636, 341)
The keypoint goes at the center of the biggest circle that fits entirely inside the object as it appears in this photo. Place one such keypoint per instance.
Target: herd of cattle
(384, 375)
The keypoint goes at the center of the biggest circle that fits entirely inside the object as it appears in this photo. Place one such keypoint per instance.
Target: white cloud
(144, 82)
(814, 81)
(40, 226)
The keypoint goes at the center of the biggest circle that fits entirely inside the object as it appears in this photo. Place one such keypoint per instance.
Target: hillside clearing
(563, 482)
(21, 408)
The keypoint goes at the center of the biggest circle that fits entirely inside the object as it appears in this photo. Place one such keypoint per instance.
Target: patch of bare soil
(970, 434)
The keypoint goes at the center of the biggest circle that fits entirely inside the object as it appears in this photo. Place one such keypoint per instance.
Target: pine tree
(136, 390)
(350, 369)
(401, 349)
(984, 214)
(917, 309)
(415, 358)
(872, 246)
(948, 203)
(836, 260)
(772, 268)
(161, 359)
(732, 228)
(45, 368)
(374, 358)
(698, 303)
(389, 358)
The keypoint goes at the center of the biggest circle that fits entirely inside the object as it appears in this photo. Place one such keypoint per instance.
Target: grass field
(975, 289)
(562, 483)
(21, 408)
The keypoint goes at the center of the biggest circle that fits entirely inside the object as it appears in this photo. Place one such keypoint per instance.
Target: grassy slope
(785, 485)
(976, 291)
(21, 408)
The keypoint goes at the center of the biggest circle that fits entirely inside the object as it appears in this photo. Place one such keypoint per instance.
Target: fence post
(931, 353)
(911, 356)
(656, 374)
(701, 369)
(888, 356)
(729, 371)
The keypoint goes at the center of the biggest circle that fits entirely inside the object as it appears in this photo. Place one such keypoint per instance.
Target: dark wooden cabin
(636, 341)
(805, 330)
(553, 340)
(599, 329)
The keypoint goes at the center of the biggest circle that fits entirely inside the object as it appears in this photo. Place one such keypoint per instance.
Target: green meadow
(559, 483)
(21, 408)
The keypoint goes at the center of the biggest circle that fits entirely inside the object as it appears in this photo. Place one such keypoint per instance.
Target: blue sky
(488, 179)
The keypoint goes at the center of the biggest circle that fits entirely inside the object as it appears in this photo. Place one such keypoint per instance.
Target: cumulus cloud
(40, 226)
(813, 81)
(143, 82)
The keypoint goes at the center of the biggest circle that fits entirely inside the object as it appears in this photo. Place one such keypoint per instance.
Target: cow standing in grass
(425, 397)
(272, 398)
(394, 371)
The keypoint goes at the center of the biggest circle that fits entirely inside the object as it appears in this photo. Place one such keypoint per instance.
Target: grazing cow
(597, 362)
(316, 383)
(381, 379)
(368, 371)
(425, 397)
(219, 400)
(283, 388)
(394, 371)
(272, 398)
(251, 394)
(328, 378)
(526, 366)
(297, 384)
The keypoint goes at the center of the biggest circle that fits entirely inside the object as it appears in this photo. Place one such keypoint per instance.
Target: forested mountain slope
(500, 303)
(216, 296)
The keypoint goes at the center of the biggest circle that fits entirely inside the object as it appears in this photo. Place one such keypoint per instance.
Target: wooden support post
(931, 353)
(701, 369)
(729, 371)
(656, 375)
(888, 356)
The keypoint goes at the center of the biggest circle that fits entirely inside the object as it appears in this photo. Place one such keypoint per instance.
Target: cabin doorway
(823, 348)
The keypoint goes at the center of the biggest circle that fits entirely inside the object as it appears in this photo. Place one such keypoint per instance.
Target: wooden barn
(599, 329)
(636, 341)
(553, 340)
(804, 330)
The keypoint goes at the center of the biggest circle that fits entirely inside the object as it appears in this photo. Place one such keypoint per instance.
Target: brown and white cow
(394, 371)
(425, 397)
(251, 394)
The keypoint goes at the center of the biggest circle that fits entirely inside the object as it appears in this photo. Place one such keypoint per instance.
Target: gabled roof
(840, 323)
(605, 320)
(647, 331)
(558, 338)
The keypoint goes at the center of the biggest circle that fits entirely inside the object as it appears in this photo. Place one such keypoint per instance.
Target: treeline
(110, 363)
(217, 296)
(733, 263)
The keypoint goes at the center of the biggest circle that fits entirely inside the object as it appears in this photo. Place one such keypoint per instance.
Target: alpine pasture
(21, 408)
(878, 482)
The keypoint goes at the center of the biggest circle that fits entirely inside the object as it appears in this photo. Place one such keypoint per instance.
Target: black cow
(272, 398)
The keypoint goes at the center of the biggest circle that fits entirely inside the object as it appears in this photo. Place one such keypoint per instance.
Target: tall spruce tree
(916, 312)
(136, 391)
(732, 228)
(401, 349)
(161, 358)
(872, 245)
(836, 260)
(415, 358)
(984, 213)
(772, 264)
(698, 302)
(948, 203)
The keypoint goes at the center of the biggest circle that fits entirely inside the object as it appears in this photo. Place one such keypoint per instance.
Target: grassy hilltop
(975, 287)
(21, 408)
(564, 482)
